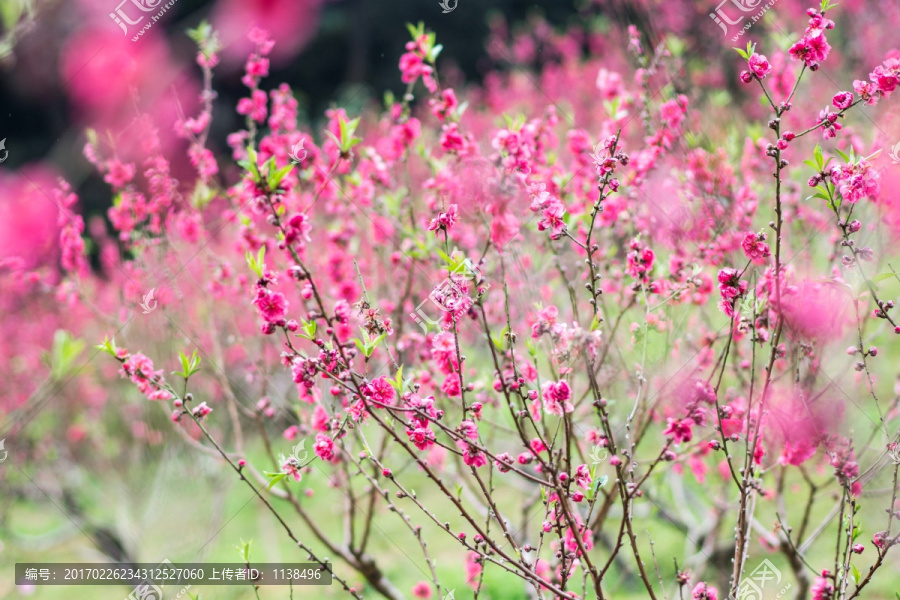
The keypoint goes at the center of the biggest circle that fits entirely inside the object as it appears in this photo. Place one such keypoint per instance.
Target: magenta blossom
(759, 65)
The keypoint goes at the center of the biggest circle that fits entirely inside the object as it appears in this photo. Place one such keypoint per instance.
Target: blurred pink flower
(816, 309)
(291, 24)
(28, 217)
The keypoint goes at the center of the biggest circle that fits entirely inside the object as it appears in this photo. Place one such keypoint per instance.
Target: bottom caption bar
(153, 576)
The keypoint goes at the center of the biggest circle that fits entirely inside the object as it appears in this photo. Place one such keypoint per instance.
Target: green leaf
(274, 478)
(842, 155)
(817, 154)
(399, 380)
(244, 550)
(498, 344)
(882, 277)
(274, 179)
(257, 265)
(65, 350)
(435, 51)
(108, 346)
(252, 164)
(856, 574)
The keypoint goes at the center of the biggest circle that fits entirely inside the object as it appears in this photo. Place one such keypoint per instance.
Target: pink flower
(422, 437)
(572, 544)
(118, 174)
(503, 462)
(139, 369)
(797, 453)
(759, 65)
(473, 569)
(320, 418)
(380, 390)
(822, 589)
(680, 429)
(640, 262)
(255, 107)
(290, 433)
(867, 91)
(324, 447)
(731, 287)
(291, 467)
(472, 456)
(556, 397)
(755, 249)
(546, 321)
(811, 49)
(842, 100)
(552, 219)
(411, 67)
(469, 430)
(856, 181)
(272, 305)
(444, 221)
(829, 124)
(201, 410)
(703, 591)
(885, 80)
(445, 105)
(422, 590)
(583, 477)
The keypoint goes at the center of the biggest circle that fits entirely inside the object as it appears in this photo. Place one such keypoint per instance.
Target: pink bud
(242, 463)
(577, 497)
(615, 461)
(387, 473)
